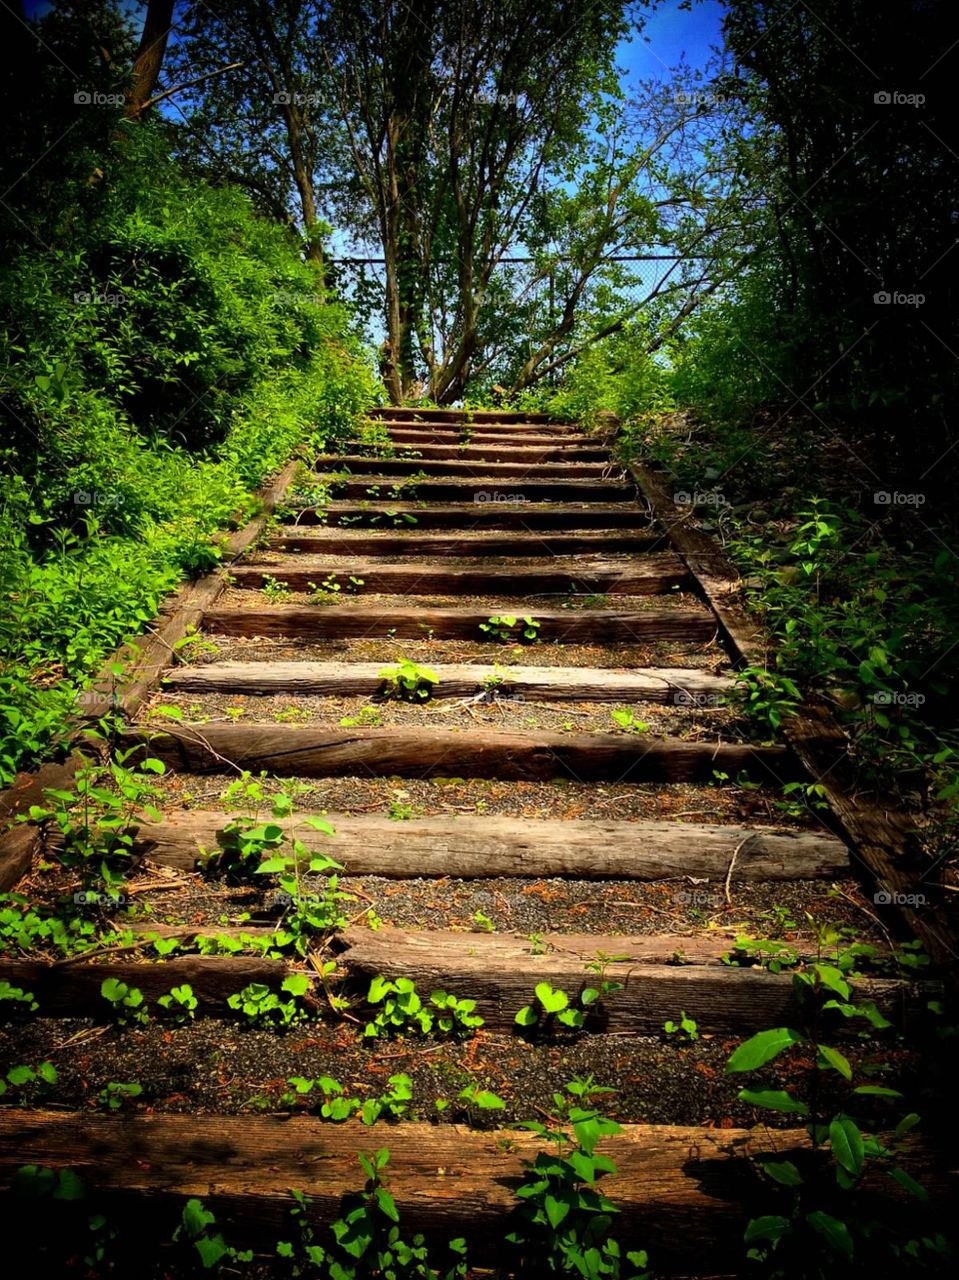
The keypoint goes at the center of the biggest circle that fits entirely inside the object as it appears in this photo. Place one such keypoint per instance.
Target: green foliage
(823, 1223)
(126, 1002)
(685, 1029)
(402, 1011)
(198, 1228)
(564, 1224)
(28, 1082)
(508, 629)
(265, 1008)
(166, 350)
(626, 719)
(179, 1003)
(99, 815)
(408, 681)
(115, 1095)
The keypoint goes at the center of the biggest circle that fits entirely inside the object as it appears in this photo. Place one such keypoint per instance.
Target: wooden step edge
(593, 626)
(332, 541)
(294, 750)
(488, 847)
(655, 573)
(683, 1192)
(683, 687)
(500, 977)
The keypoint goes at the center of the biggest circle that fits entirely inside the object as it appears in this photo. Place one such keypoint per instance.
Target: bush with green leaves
(564, 1224)
(818, 1222)
(408, 681)
(166, 350)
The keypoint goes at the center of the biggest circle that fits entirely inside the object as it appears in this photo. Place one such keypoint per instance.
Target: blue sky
(673, 35)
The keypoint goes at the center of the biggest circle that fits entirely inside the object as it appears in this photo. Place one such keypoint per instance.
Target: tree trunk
(149, 58)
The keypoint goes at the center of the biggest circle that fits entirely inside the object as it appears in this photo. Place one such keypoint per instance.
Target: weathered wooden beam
(494, 514)
(480, 489)
(487, 847)
(333, 622)
(335, 542)
(685, 687)
(652, 574)
(289, 750)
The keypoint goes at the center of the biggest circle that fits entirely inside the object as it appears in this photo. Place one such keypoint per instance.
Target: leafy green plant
(15, 1001)
(685, 1029)
(401, 810)
(127, 1003)
(815, 1224)
(550, 1006)
(276, 592)
(198, 1228)
(408, 681)
(265, 1008)
(98, 817)
(626, 719)
(509, 629)
(115, 1095)
(402, 1011)
(564, 1221)
(28, 1080)
(368, 716)
(180, 1003)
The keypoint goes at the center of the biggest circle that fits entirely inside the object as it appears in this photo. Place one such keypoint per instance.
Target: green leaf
(774, 1100)
(556, 1210)
(387, 1204)
(784, 1172)
(762, 1048)
(552, 1001)
(909, 1183)
(847, 1144)
(831, 1057)
(526, 1017)
(770, 1227)
(834, 1232)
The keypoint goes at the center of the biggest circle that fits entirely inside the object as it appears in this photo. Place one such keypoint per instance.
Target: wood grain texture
(653, 574)
(292, 750)
(482, 848)
(337, 622)
(481, 515)
(73, 990)
(683, 1192)
(467, 467)
(501, 974)
(429, 448)
(682, 686)
(482, 488)
(336, 542)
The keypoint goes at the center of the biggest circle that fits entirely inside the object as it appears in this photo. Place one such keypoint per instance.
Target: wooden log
(509, 417)
(73, 990)
(429, 448)
(491, 435)
(465, 467)
(652, 574)
(479, 490)
(19, 841)
(683, 1192)
(501, 974)
(481, 515)
(293, 750)
(487, 847)
(337, 622)
(685, 687)
(336, 543)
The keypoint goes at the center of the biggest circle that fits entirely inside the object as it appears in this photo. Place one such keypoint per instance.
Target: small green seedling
(408, 681)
